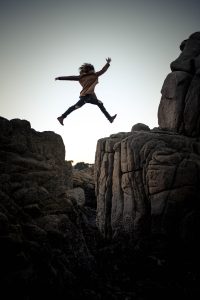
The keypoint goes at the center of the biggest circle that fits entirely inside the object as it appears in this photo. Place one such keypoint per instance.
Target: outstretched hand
(108, 60)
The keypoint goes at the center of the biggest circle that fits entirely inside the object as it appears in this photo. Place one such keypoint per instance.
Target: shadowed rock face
(179, 108)
(33, 157)
(44, 241)
(148, 183)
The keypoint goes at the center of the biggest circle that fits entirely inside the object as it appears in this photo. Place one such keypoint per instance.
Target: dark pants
(87, 99)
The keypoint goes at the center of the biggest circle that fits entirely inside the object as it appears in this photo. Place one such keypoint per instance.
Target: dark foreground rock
(44, 234)
(50, 247)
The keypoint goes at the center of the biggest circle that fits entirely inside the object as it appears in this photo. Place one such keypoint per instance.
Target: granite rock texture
(148, 183)
(179, 108)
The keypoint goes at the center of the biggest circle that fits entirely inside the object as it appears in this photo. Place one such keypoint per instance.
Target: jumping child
(88, 79)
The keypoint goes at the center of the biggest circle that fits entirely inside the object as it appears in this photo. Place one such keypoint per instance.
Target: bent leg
(93, 100)
(102, 108)
(80, 103)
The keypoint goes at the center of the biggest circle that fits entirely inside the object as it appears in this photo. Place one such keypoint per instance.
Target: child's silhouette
(88, 79)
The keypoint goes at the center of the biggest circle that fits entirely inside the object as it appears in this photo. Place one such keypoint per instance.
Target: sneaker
(60, 119)
(112, 118)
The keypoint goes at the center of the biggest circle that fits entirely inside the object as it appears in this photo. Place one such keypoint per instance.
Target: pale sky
(41, 40)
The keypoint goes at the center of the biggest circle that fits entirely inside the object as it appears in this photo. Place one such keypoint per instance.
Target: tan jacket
(88, 81)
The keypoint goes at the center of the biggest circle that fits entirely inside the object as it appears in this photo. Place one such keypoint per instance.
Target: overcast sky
(41, 40)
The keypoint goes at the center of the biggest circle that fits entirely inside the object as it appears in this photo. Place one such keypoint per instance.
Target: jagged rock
(190, 51)
(147, 184)
(179, 106)
(30, 156)
(43, 234)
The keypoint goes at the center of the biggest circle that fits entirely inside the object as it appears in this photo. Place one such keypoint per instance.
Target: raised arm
(75, 78)
(105, 68)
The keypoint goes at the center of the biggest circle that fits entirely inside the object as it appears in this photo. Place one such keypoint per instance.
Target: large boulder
(147, 183)
(179, 109)
(84, 179)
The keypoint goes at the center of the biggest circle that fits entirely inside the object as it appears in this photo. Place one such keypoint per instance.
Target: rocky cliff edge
(147, 181)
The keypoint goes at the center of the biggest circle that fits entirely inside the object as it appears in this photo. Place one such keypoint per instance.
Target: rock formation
(147, 181)
(44, 234)
(179, 106)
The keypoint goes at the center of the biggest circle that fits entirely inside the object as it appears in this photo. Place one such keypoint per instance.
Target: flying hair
(86, 68)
